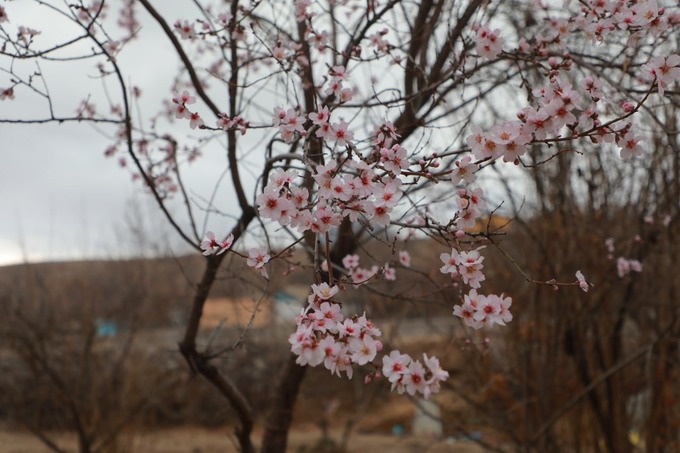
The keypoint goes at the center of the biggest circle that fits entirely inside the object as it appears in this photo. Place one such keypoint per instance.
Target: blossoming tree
(341, 120)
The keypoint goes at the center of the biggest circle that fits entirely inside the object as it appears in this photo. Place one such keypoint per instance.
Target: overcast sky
(60, 197)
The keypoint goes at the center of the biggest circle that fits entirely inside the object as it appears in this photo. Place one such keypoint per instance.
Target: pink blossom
(323, 291)
(346, 94)
(388, 195)
(211, 246)
(480, 310)
(320, 117)
(625, 266)
(325, 218)
(360, 276)
(629, 145)
(257, 258)
(582, 283)
(609, 244)
(331, 311)
(348, 328)
(436, 373)
(665, 69)
(464, 171)
(195, 120)
(337, 72)
(280, 178)
(414, 378)
(405, 258)
(379, 214)
(467, 312)
(341, 134)
(395, 366)
(451, 261)
(350, 261)
(185, 29)
(394, 159)
(272, 205)
(363, 350)
(389, 273)
(488, 43)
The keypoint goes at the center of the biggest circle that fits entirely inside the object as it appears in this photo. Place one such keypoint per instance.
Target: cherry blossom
(624, 266)
(341, 134)
(629, 145)
(488, 43)
(272, 205)
(211, 246)
(257, 258)
(405, 258)
(467, 264)
(479, 310)
(582, 283)
(394, 159)
(321, 292)
(350, 261)
(464, 171)
(666, 70)
(185, 29)
(6, 93)
(395, 365)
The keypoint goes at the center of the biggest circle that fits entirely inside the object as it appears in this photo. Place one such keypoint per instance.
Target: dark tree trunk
(280, 416)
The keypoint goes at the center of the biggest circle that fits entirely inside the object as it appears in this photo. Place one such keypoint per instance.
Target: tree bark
(280, 416)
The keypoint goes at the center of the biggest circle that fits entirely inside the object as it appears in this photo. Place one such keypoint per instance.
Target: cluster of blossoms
(211, 246)
(558, 104)
(466, 264)
(237, 123)
(625, 266)
(488, 43)
(336, 84)
(359, 275)
(642, 18)
(478, 310)
(181, 110)
(470, 203)
(360, 193)
(325, 336)
(362, 188)
(665, 70)
(289, 123)
(25, 35)
(410, 376)
(366, 186)
(356, 188)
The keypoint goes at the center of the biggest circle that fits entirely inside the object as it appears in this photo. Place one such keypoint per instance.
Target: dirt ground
(199, 440)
